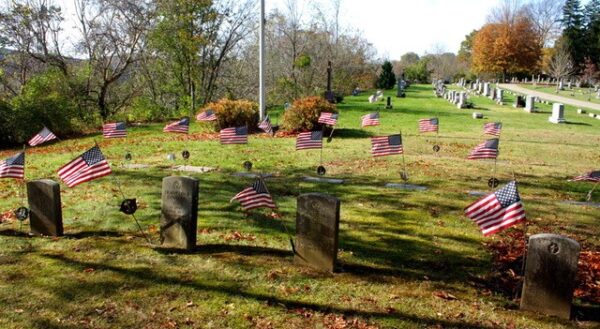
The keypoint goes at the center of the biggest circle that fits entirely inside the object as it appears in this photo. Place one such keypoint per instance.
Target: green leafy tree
(386, 79)
(418, 71)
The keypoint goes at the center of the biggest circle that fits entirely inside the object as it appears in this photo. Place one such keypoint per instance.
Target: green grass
(396, 247)
(582, 94)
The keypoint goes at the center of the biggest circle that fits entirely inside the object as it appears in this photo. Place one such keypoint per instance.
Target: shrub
(234, 113)
(304, 113)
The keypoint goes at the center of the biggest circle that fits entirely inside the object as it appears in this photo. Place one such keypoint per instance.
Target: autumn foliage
(507, 48)
(234, 113)
(304, 113)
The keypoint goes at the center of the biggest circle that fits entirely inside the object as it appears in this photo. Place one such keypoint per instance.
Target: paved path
(550, 97)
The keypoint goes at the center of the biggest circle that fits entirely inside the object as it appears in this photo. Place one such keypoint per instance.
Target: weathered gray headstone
(558, 113)
(179, 212)
(477, 115)
(45, 214)
(317, 229)
(550, 271)
(530, 104)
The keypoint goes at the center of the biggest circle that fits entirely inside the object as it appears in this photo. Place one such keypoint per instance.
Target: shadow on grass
(351, 133)
(151, 277)
(209, 249)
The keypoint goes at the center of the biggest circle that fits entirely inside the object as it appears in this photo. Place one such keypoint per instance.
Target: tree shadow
(210, 249)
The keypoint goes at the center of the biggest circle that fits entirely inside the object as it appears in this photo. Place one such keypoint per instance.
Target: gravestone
(493, 93)
(388, 105)
(550, 271)
(519, 102)
(592, 115)
(486, 89)
(530, 104)
(500, 96)
(580, 111)
(179, 212)
(477, 115)
(558, 113)
(317, 229)
(561, 86)
(45, 209)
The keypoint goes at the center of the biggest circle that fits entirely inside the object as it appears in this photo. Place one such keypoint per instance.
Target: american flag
(429, 125)
(497, 211)
(255, 196)
(328, 118)
(114, 130)
(309, 140)
(592, 176)
(13, 167)
(266, 126)
(90, 165)
(386, 145)
(371, 119)
(234, 135)
(181, 126)
(43, 136)
(208, 115)
(485, 150)
(492, 128)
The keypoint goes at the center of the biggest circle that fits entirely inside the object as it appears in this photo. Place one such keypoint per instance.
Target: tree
(465, 52)
(573, 31)
(561, 65)
(406, 60)
(592, 31)
(505, 48)
(386, 79)
(545, 16)
(418, 71)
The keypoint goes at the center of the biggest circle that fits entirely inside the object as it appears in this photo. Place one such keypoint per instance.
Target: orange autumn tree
(506, 48)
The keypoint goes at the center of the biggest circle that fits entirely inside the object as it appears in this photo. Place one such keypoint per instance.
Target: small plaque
(321, 170)
(185, 154)
(128, 206)
(128, 156)
(493, 182)
(436, 148)
(22, 213)
(247, 165)
(171, 157)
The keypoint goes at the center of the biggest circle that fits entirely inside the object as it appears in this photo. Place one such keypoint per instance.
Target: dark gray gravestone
(45, 208)
(179, 212)
(317, 229)
(550, 271)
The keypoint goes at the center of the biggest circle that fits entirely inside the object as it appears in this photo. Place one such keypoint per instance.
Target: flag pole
(118, 183)
(262, 180)
(405, 176)
(589, 195)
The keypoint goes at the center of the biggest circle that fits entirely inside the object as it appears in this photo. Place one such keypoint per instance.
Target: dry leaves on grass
(7, 216)
(333, 321)
(588, 277)
(237, 236)
(444, 295)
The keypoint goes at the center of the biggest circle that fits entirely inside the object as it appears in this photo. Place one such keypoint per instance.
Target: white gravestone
(558, 113)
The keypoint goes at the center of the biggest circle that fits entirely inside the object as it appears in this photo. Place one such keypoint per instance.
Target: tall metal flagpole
(261, 64)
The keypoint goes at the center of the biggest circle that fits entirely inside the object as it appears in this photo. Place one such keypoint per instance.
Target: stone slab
(45, 209)
(179, 212)
(408, 187)
(323, 180)
(478, 193)
(251, 175)
(194, 169)
(136, 166)
(579, 203)
(317, 231)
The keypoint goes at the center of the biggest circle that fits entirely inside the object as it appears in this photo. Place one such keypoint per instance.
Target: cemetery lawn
(407, 259)
(581, 94)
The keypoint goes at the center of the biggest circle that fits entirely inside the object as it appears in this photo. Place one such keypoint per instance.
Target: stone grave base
(408, 187)
(251, 175)
(578, 203)
(193, 169)
(478, 193)
(136, 166)
(323, 180)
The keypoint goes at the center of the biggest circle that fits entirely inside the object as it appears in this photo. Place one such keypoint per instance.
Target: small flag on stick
(13, 167)
(234, 135)
(497, 211)
(208, 115)
(328, 118)
(86, 167)
(371, 119)
(114, 130)
(266, 126)
(429, 125)
(492, 128)
(592, 176)
(485, 150)
(43, 136)
(255, 196)
(181, 126)
(309, 140)
(386, 145)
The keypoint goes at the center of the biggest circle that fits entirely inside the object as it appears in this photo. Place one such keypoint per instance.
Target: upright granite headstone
(558, 113)
(45, 209)
(550, 271)
(317, 229)
(179, 212)
(519, 102)
(530, 104)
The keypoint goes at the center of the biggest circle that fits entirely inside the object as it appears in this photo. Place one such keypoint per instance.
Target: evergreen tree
(573, 33)
(386, 79)
(592, 31)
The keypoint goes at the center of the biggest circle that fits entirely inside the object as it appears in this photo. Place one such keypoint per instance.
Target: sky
(394, 27)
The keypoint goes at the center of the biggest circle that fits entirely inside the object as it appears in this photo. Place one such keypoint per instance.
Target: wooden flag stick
(589, 195)
(262, 180)
(403, 160)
